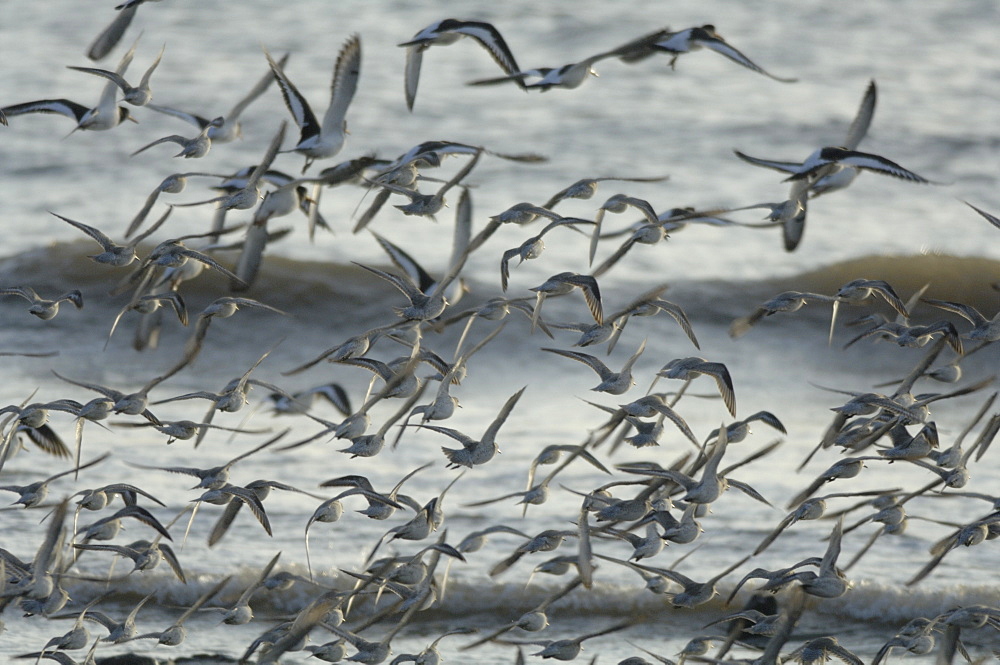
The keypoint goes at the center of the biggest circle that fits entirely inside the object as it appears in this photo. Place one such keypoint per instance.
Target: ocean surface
(937, 79)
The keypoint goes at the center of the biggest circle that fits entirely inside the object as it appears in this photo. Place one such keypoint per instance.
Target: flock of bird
(625, 523)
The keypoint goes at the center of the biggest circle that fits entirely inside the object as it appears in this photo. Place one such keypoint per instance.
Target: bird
(428, 204)
(119, 631)
(585, 188)
(533, 246)
(139, 95)
(848, 467)
(561, 284)
(533, 620)
(448, 31)
(568, 649)
(106, 115)
(193, 148)
(231, 128)
(820, 163)
(430, 654)
(545, 541)
(150, 303)
(301, 401)
(33, 494)
(249, 195)
(176, 633)
(145, 556)
(473, 452)
(108, 527)
(693, 39)
(739, 430)
(115, 255)
(787, 301)
(568, 76)
(689, 368)
(619, 203)
(613, 383)
(836, 178)
(40, 307)
(983, 329)
(213, 477)
(820, 649)
(322, 140)
(811, 509)
(112, 34)
(423, 306)
(241, 613)
(130, 404)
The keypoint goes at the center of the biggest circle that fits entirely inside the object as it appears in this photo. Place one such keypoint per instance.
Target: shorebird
(648, 406)
(241, 613)
(811, 509)
(546, 541)
(568, 76)
(533, 620)
(145, 556)
(316, 140)
(150, 303)
(170, 254)
(585, 188)
(177, 633)
(568, 649)
(983, 329)
(106, 115)
(823, 161)
(33, 494)
(112, 34)
(449, 31)
(353, 347)
(533, 246)
(40, 307)
(416, 272)
(249, 195)
(423, 306)
(613, 383)
(230, 129)
(619, 203)
(915, 637)
(562, 284)
(115, 255)
(139, 95)
(216, 476)
(428, 205)
(302, 400)
(383, 508)
(687, 369)
(130, 404)
(820, 650)
(193, 148)
(693, 39)
(118, 631)
(788, 301)
(96, 499)
(473, 452)
(836, 177)
(736, 432)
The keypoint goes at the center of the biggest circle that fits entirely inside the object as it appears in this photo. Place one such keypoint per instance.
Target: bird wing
(296, 103)
(344, 84)
(863, 118)
(723, 48)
